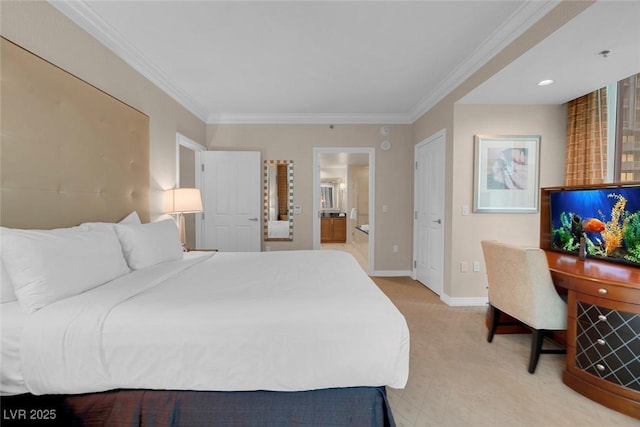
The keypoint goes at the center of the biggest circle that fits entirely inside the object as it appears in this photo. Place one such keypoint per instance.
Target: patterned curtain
(586, 161)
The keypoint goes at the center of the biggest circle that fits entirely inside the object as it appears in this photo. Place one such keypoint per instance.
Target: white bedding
(284, 321)
(12, 318)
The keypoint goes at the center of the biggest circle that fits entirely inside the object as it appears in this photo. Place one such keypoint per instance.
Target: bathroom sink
(332, 214)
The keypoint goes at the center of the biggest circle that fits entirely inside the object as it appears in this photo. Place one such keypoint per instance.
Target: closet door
(428, 222)
(231, 197)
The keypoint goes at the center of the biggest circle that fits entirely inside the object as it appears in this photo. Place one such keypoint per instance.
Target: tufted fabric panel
(520, 285)
(69, 153)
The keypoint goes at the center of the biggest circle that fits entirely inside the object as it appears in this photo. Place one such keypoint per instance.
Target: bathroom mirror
(332, 194)
(327, 196)
(278, 200)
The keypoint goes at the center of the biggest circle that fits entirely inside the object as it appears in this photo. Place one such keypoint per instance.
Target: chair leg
(494, 313)
(537, 337)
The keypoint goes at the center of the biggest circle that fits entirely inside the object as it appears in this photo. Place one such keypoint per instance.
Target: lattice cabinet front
(608, 344)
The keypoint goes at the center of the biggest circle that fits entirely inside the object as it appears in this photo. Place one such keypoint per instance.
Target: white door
(231, 195)
(429, 212)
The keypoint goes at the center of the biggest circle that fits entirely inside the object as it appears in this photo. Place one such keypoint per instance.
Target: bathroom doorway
(343, 202)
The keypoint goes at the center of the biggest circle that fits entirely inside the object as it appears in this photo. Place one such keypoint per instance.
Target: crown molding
(517, 24)
(308, 118)
(81, 13)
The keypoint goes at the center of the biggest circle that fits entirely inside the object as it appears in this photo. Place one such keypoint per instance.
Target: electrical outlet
(476, 266)
(395, 249)
(464, 266)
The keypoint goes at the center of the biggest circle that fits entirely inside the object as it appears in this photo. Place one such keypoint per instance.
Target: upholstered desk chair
(520, 285)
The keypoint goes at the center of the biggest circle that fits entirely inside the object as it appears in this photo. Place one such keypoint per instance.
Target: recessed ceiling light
(545, 82)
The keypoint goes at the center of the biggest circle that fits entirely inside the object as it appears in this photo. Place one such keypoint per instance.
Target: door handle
(253, 219)
(439, 221)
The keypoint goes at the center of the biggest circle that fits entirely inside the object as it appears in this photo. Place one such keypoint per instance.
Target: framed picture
(506, 173)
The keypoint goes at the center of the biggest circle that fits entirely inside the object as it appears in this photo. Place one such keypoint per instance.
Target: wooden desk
(603, 329)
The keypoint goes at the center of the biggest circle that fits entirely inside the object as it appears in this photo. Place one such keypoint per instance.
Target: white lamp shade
(182, 200)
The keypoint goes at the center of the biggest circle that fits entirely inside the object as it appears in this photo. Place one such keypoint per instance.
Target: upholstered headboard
(69, 153)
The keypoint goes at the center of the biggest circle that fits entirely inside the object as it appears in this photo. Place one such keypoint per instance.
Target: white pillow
(6, 286)
(149, 244)
(132, 218)
(48, 265)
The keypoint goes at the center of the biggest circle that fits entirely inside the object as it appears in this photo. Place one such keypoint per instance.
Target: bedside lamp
(181, 201)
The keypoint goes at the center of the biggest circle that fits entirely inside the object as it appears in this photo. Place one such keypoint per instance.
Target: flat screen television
(608, 218)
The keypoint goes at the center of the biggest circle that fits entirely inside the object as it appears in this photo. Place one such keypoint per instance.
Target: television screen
(607, 218)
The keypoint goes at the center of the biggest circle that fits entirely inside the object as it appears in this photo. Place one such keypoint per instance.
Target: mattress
(279, 321)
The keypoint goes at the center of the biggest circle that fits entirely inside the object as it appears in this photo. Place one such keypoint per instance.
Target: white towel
(279, 229)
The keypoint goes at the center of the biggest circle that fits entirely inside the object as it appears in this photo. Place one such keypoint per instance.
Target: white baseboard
(464, 301)
(392, 273)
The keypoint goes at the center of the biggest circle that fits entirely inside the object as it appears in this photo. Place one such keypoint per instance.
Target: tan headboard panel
(69, 153)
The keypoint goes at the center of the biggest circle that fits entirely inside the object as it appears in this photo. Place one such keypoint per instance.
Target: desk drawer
(615, 293)
(591, 286)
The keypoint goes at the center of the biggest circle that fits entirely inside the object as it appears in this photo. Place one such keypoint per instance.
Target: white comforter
(284, 321)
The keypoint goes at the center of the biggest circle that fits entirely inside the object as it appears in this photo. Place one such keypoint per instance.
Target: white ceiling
(351, 61)
(571, 58)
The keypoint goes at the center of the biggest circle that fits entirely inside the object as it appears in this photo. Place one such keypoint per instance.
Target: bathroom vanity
(333, 227)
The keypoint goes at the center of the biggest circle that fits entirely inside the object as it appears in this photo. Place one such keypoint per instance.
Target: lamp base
(181, 229)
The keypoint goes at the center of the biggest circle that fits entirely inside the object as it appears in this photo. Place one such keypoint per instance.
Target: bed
(311, 340)
(304, 335)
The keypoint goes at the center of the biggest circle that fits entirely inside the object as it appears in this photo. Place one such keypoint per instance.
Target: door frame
(183, 141)
(441, 134)
(317, 151)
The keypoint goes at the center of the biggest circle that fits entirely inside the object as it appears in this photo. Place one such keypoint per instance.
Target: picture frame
(506, 173)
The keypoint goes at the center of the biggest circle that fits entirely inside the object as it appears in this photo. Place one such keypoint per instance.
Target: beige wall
(393, 186)
(548, 121)
(41, 29)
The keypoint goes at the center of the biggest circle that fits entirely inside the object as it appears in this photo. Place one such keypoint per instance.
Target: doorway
(341, 169)
(186, 160)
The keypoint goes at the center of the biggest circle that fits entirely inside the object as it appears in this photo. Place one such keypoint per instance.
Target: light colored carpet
(457, 378)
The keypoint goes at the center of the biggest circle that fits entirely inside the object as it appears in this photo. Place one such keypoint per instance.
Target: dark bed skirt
(355, 406)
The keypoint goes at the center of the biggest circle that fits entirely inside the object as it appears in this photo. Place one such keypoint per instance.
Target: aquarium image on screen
(607, 218)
